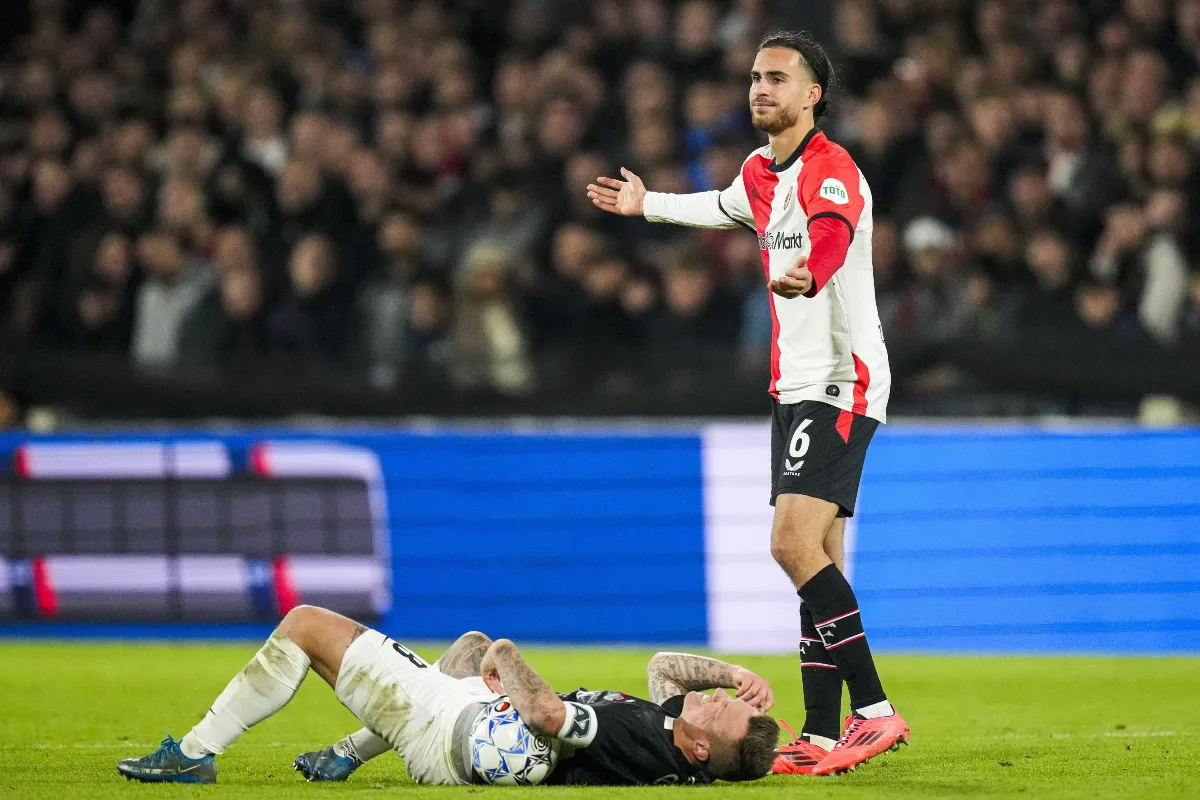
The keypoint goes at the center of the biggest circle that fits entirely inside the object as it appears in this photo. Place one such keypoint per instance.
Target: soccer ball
(505, 752)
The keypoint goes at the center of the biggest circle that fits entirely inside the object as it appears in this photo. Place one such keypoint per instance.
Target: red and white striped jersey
(828, 347)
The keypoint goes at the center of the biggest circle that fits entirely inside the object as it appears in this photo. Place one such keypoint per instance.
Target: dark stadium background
(305, 301)
(365, 183)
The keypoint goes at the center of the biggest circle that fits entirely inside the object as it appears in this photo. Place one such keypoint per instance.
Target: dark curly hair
(815, 59)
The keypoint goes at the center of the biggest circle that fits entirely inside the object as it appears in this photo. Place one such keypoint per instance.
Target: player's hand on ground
(795, 282)
(754, 689)
(618, 197)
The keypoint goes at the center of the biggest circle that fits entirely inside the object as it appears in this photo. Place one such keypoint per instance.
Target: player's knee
(475, 639)
(785, 555)
(796, 556)
(788, 549)
(298, 619)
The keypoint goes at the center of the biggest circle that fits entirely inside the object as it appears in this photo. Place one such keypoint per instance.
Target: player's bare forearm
(536, 702)
(672, 674)
(675, 673)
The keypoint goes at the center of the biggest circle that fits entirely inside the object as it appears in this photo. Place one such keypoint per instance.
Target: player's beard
(781, 118)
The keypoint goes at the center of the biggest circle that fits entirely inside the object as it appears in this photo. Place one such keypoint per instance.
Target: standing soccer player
(810, 206)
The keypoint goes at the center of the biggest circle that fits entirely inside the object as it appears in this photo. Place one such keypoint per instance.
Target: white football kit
(417, 709)
(828, 347)
(409, 704)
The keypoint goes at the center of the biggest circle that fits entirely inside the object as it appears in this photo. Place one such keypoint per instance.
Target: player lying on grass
(622, 721)
(426, 713)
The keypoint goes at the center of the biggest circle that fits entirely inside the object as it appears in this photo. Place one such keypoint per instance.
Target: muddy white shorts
(403, 700)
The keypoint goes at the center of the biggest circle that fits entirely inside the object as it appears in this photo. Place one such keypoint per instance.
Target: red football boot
(797, 758)
(862, 740)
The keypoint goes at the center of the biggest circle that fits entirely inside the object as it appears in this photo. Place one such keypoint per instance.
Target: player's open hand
(754, 689)
(618, 197)
(795, 282)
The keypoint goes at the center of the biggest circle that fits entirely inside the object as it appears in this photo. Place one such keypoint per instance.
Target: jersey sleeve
(728, 208)
(830, 186)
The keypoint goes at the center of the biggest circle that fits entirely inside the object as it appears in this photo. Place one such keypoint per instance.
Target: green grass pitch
(982, 726)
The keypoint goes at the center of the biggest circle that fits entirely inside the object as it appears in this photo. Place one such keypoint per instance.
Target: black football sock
(822, 682)
(839, 627)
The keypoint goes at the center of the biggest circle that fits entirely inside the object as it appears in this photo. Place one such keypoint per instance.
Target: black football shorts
(819, 450)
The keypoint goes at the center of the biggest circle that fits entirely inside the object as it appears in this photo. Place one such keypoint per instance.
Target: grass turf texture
(982, 726)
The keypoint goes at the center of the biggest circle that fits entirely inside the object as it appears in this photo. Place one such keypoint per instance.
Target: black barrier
(1025, 376)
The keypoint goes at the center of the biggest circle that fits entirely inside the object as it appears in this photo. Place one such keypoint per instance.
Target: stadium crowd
(398, 185)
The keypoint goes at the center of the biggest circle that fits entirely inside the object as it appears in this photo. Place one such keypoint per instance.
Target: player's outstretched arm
(619, 197)
(673, 674)
(506, 672)
(713, 210)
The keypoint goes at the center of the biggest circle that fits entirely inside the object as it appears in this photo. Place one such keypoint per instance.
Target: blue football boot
(168, 764)
(325, 765)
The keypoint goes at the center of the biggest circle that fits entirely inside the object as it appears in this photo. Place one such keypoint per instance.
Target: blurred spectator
(1050, 259)
(882, 153)
(399, 186)
(934, 306)
(489, 349)
(554, 304)
(1191, 309)
(103, 304)
(513, 221)
(429, 328)
(227, 326)
(124, 201)
(387, 301)
(1100, 312)
(304, 207)
(997, 244)
(865, 50)
(239, 192)
(262, 138)
(1080, 170)
(1031, 197)
(172, 288)
(312, 320)
(891, 274)
(744, 265)
(1164, 263)
(609, 330)
(696, 312)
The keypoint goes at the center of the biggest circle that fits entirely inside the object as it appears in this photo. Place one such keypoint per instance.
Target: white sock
(362, 746)
(881, 709)
(266, 685)
(822, 742)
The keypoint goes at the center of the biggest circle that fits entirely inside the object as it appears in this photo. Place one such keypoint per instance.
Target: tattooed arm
(673, 674)
(506, 672)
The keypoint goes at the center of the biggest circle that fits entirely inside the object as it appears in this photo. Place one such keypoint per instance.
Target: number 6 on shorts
(800, 440)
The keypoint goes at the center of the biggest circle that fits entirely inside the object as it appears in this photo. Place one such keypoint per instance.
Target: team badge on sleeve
(834, 191)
